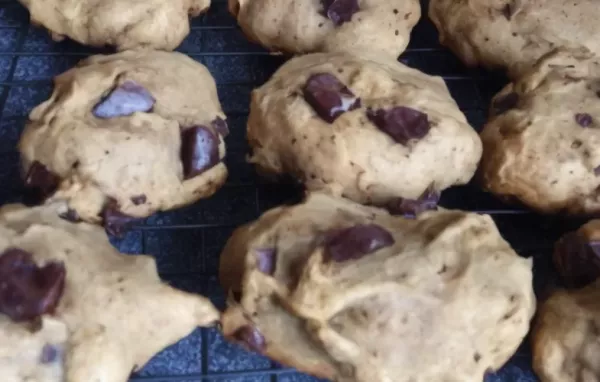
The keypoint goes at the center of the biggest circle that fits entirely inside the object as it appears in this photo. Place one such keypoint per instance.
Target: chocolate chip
(124, 100)
(50, 354)
(329, 97)
(27, 290)
(410, 208)
(220, 125)
(115, 222)
(251, 338)
(138, 199)
(583, 119)
(199, 150)
(340, 11)
(70, 215)
(356, 241)
(40, 178)
(401, 123)
(266, 260)
(507, 11)
(577, 260)
(505, 103)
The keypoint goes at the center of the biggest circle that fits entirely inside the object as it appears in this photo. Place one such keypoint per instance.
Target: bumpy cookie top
(367, 128)
(74, 309)
(542, 142)
(380, 26)
(155, 24)
(127, 134)
(566, 334)
(514, 34)
(351, 293)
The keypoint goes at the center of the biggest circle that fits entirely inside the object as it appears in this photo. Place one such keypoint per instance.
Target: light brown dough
(448, 300)
(114, 314)
(125, 158)
(352, 157)
(566, 336)
(542, 142)
(302, 26)
(125, 24)
(514, 34)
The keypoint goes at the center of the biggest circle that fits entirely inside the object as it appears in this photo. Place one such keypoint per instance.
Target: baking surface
(187, 242)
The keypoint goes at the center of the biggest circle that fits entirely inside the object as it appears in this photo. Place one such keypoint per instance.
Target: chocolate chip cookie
(352, 293)
(123, 24)
(514, 34)
(566, 335)
(74, 309)
(291, 26)
(126, 135)
(542, 142)
(369, 128)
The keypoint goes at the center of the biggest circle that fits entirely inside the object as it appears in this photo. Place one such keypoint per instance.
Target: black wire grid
(187, 242)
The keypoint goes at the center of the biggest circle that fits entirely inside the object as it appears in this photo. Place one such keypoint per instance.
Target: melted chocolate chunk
(410, 208)
(115, 222)
(138, 199)
(505, 103)
(71, 215)
(220, 125)
(27, 290)
(355, 242)
(251, 338)
(124, 100)
(577, 260)
(40, 178)
(401, 123)
(266, 260)
(340, 11)
(50, 354)
(199, 150)
(583, 119)
(329, 97)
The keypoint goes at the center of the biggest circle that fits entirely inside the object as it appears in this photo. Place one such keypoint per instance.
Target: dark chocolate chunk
(251, 338)
(507, 11)
(329, 97)
(401, 123)
(356, 241)
(50, 354)
(266, 260)
(70, 215)
(40, 178)
(577, 260)
(220, 125)
(27, 290)
(504, 103)
(199, 150)
(138, 199)
(124, 100)
(410, 208)
(584, 119)
(115, 222)
(340, 11)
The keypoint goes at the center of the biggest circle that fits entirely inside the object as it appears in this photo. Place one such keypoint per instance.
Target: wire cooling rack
(187, 242)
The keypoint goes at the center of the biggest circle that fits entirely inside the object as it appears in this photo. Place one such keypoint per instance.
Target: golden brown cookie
(127, 135)
(74, 309)
(125, 24)
(514, 34)
(292, 26)
(542, 142)
(370, 129)
(351, 293)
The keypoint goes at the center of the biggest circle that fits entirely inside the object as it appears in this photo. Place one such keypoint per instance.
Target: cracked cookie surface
(351, 293)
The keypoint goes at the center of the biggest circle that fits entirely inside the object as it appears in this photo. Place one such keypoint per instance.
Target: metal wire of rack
(186, 242)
